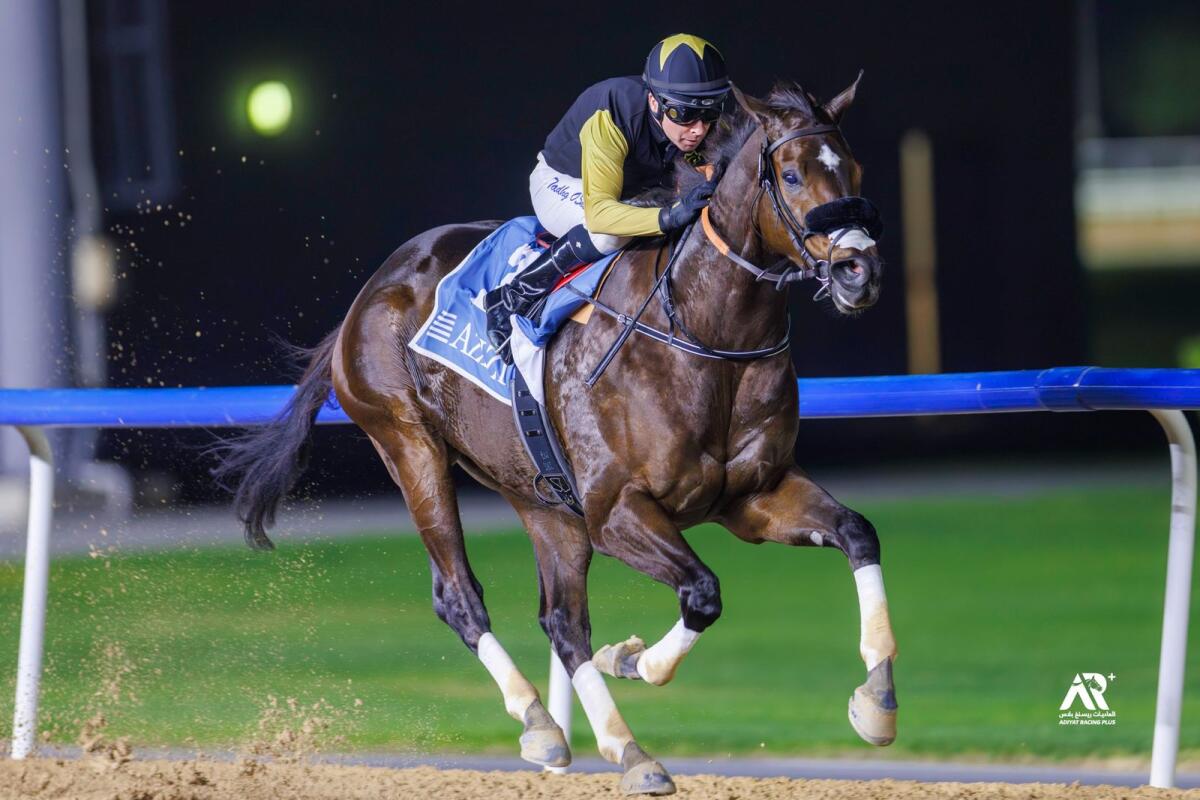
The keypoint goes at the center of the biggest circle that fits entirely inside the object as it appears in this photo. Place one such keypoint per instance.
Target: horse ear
(836, 107)
(753, 106)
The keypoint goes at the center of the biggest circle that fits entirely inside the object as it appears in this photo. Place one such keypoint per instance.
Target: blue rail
(1056, 389)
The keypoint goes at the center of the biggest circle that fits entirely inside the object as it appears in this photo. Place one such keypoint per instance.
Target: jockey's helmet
(687, 77)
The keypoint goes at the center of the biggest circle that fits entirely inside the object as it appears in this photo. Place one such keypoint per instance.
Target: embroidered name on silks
(565, 192)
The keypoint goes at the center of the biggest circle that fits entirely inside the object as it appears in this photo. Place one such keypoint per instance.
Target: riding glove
(674, 217)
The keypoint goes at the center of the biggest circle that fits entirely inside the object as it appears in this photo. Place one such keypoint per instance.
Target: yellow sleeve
(604, 150)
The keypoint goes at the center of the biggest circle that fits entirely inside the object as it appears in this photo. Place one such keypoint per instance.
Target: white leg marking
(876, 642)
(612, 734)
(517, 690)
(658, 663)
(829, 158)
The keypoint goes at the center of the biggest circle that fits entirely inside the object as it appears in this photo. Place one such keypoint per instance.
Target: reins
(690, 344)
(836, 212)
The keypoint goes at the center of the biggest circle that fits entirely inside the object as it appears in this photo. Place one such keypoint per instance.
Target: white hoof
(542, 741)
(620, 660)
(644, 775)
(873, 706)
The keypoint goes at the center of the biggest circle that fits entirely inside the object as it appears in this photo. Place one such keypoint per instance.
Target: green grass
(996, 605)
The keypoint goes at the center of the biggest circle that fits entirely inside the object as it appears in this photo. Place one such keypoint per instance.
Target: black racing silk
(650, 153)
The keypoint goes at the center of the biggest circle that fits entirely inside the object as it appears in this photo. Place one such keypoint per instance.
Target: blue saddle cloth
(455, 334)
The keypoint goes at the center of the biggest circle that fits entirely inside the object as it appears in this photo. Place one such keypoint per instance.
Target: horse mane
(731, 132)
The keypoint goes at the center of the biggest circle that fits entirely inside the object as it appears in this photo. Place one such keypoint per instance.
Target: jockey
(620, 137)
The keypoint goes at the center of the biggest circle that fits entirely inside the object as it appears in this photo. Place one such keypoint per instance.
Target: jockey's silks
(609, 139)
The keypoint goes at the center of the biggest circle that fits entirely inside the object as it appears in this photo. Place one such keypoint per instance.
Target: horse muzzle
(852, 225)
(854, 281)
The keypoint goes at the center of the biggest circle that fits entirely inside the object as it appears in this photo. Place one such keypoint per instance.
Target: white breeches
(558, 203)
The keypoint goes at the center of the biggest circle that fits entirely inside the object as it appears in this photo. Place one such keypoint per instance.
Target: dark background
(408, 118)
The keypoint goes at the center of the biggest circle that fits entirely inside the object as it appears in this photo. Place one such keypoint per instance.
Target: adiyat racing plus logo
(1087, 690)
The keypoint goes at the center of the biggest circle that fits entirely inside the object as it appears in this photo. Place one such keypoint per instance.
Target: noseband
(844, 214)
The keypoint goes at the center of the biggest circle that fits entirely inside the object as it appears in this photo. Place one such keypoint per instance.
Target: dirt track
(106, 779)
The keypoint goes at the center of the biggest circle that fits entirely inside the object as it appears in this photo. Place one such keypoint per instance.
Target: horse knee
(858, 540)
(700, 602)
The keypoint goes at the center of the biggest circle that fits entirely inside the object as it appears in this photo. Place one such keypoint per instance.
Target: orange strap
(717, 242)
(722, 246)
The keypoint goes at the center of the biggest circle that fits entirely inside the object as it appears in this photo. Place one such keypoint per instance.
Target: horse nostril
(850, 273)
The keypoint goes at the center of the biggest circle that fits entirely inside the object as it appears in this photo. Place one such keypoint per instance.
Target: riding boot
(533, 283)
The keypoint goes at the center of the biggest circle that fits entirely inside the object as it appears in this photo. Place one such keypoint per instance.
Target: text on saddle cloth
(455, 333)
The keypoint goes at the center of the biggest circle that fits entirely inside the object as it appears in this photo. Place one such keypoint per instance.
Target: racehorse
(666, 439)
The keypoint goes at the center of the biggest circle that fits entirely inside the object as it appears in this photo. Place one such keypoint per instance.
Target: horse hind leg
(564, 552)
(419, 465)
(798, 512)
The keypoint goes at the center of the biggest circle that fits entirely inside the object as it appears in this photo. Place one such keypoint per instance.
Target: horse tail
(265, 462)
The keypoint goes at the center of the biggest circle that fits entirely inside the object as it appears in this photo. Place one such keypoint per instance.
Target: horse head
(808, 209)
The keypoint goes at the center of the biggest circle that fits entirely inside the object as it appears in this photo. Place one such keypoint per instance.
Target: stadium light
(269, 108)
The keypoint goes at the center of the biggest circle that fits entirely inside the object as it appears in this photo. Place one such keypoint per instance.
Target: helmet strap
(658, 115)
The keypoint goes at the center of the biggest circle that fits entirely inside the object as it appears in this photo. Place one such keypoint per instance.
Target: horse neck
(724, 305)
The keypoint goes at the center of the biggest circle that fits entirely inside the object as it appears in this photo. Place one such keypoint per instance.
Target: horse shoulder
(764, 424)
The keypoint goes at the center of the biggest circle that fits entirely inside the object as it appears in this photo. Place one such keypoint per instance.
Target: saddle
(454, 335)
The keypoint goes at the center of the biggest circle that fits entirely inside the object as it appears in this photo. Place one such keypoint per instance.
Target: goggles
(686, 111)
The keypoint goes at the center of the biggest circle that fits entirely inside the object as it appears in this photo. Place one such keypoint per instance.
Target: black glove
(674, 217)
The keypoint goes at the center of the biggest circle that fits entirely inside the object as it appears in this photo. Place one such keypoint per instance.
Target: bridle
(841, 216)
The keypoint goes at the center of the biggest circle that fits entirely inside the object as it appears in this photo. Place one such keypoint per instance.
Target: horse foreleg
(798, 512)
(564, 553)
(639, 533)
(418, 463)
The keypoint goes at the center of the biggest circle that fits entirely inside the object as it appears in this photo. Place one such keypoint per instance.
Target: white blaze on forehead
(829, 158)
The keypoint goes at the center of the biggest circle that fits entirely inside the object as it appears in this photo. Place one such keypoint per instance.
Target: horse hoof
(542, 741)
(873, 706)
(644, 775)
(546, 747)
(649, 778)
(620, 660)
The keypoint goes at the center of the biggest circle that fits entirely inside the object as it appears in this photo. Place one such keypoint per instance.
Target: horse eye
(791, 178)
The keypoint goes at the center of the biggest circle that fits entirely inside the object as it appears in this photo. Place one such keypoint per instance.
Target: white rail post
(1178, 597)
(560, 700)
(37, 577)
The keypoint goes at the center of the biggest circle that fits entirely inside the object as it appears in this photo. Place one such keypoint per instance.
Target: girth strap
(541, 443)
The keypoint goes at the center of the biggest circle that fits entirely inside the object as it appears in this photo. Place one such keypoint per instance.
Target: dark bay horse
(664, 441)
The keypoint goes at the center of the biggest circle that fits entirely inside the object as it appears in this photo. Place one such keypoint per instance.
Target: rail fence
(1165, 393)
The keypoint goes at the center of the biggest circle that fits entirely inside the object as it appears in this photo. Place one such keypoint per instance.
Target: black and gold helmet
(687, 77)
